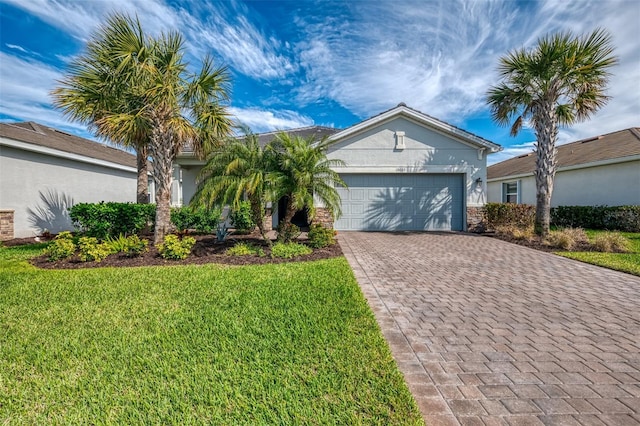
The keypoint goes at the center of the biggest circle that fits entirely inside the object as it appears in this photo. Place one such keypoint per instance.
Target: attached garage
(402, 202)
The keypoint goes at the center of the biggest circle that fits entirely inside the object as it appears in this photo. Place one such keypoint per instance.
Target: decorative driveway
(488, 332)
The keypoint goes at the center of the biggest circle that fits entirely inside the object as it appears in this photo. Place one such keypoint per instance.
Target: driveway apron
(488, 332)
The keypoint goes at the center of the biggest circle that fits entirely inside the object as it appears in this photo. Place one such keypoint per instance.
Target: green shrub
(90, 250)
(288, 232)
(622, 218)
(319, 236)
(102, 220)
(244, 249)
(510, 214)
(567, 238)
(62, 247)
(130, 246)
(176, 248)
(241, 218)
(201, 220)
(289, 250)
(611, 242)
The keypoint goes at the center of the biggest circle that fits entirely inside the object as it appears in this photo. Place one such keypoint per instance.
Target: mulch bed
(205, 251)
(536, 243)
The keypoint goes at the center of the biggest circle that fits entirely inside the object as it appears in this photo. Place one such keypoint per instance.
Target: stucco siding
(612, 184)
(425, 151)
(40, 188)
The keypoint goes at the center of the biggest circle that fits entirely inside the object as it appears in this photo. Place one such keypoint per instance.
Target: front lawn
(625, 262)
(272, 344)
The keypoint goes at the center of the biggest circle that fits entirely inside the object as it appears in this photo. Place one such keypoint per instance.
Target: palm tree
(151, 96)
(90, 87)
(239, 169)
(304, 173)
(559, 82)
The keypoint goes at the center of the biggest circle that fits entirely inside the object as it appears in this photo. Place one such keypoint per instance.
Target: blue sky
(301, 63)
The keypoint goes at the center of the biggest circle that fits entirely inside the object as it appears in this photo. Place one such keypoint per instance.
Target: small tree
(239, 169)
(303, 172)
(561, 81)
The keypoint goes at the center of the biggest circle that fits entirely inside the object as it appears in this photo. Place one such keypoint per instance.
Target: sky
(304, 63)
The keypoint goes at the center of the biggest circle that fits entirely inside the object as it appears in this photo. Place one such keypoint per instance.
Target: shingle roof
(620, 144)
(304, 132)
(38, 134)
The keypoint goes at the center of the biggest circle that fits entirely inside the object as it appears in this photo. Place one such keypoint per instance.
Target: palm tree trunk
(162, 150)
(258, 216)
(142, 190)
(546, 128)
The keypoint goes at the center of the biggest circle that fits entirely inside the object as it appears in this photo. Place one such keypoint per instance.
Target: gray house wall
(611, 184)
(425, 151)
(40, 187)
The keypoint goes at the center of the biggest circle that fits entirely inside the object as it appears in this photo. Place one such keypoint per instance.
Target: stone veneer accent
(476, 219)
(6, 225)
(268, 220)
(324, 217)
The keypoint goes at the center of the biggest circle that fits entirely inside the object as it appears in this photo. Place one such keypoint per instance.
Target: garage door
(401, 202)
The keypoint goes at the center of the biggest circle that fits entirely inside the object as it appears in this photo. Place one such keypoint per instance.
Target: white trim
(420, 118)
(608, 162)
(25, 146)
(406, 169)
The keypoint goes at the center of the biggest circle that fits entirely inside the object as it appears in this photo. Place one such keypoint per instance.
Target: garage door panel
(390, 202)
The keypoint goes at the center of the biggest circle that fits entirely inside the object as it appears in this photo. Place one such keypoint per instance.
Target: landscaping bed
(206, 250)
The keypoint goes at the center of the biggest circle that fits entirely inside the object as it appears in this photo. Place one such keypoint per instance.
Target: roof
(403, 110)
(608, 147)
(42, 136)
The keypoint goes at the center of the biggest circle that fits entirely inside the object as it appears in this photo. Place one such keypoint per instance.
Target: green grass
(625, 262)
(275, 344)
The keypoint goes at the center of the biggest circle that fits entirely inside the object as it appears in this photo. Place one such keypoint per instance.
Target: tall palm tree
(304, 173)
(152, 95)
(559, 82)
(239, 169)
(91, 85)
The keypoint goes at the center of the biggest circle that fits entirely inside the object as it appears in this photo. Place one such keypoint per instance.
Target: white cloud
(510, 152)
(29, 98)
(441, 57)
(261, 120)
(223, 28)
(16, 47)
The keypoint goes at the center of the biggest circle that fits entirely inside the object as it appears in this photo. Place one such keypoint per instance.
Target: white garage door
(401, 202)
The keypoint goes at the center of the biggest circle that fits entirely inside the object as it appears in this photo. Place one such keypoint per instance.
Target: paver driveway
(490, 332)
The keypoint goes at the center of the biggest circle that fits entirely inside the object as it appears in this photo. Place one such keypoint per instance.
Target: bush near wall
(509, 214)
(102, 220)
(620, 218)
(200, 220)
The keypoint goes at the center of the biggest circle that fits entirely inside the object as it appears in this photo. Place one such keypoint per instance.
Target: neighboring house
(43, 171)
(604, 170)
(404, 169)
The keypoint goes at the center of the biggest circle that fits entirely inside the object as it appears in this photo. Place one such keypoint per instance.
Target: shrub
(176, 248)
(90, 250)
(222, 232)
(319, 236)
(519, 215)
(130, 246)
(567, 238)
(241, 218)
(102, 220)
(62, 247)
(517, 233)
(287, 232)
(289, 250)
(244, 249)
(201, 220)
(622, 218)
(611, 242)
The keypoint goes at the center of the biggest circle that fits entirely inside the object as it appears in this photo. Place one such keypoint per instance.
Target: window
(510, 192)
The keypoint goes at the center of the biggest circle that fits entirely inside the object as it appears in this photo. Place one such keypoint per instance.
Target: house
(44, 170)
(405, 170)
(603, 170)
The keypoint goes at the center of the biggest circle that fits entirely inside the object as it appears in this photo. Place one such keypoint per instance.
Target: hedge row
(620, 218)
